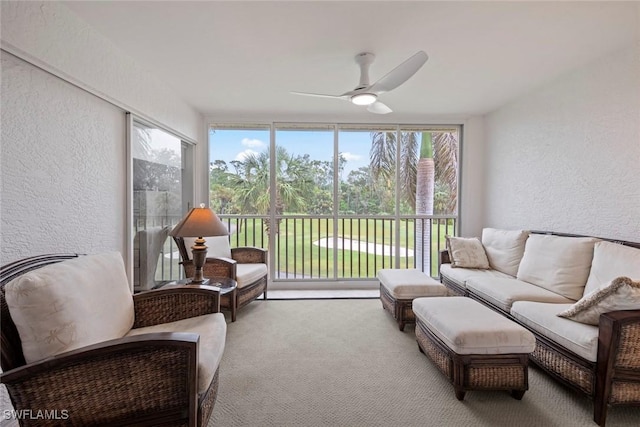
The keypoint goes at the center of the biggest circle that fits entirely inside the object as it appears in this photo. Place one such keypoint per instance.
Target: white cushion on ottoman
(410, 283)
(468, 327)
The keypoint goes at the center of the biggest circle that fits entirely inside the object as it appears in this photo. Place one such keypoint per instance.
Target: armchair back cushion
(611, 260)
(217, 246)
(504, 249)
(71, 304)
(557, 263)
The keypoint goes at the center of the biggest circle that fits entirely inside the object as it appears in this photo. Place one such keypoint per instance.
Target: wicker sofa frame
(226, 267)
(149, 379)
(614, 379)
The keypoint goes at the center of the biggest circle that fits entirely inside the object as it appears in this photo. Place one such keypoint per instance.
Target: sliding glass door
(337, 202)
(162, 188)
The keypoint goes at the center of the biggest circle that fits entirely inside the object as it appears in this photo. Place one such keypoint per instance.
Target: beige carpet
(345, 363)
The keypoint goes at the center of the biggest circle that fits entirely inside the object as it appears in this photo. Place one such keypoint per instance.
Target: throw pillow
(467, 253)
(621, 293)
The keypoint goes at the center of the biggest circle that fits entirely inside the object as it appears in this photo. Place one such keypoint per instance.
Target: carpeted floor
(345, 363)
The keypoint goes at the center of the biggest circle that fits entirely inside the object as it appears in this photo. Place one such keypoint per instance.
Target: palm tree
(421, 165)
(253, 184)
(425, 184)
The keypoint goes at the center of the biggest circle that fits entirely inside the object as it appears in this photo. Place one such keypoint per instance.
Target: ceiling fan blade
(379, 108)
(400, 74)
(317, 95)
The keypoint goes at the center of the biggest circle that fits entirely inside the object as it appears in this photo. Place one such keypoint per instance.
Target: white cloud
(241, 156)
(253, 143)
(350, 156)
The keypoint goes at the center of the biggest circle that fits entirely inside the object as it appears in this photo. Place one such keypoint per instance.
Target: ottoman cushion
(468, 327)
(410, 283)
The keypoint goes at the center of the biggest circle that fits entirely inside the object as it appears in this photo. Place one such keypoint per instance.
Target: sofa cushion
(71, 304)
(504, 249)
(504, 292)
(246, 274)
(212, 329)
(611, 260)
(466, 253)
(578, 338)
(217, 246)
(461, 275)
(557, 263)
(621, 293)
(410, 283)
(479, 330)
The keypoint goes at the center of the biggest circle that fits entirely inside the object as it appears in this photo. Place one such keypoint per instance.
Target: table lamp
(197, 223)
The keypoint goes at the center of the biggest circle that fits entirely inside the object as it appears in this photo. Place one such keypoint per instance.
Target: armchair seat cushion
(504, 292)
(577, 337)
(246, 274)
(71, 304)
(212, 329)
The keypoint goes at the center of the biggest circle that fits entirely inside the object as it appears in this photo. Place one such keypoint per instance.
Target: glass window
(160, 177)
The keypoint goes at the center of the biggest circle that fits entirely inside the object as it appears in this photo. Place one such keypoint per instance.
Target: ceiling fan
(367, 94)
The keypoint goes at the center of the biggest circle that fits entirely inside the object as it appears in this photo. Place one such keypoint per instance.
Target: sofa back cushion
(504, 249)
(557, 263)
(217, 246)
(71, 304)
(611, 260)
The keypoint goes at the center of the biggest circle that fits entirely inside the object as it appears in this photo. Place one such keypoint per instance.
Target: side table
(227, 286)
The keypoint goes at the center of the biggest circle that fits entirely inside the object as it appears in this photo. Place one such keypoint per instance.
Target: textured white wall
(49, 33)
(567, 157)
(63, 150)
(63, 166)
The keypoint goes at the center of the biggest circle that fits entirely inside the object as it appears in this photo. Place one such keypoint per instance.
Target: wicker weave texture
(387, 303)
(496, 377)
(629, 347)
(437, 355)
(250, 292)
(153, 308)
(625, 392)
(555, 362)
(208, 400)
(249, 255)
(112, 402)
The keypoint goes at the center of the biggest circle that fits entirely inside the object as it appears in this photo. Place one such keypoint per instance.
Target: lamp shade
(200, 222)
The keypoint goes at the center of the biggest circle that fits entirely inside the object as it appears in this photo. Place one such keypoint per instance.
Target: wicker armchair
(143, 379)
(246, 265)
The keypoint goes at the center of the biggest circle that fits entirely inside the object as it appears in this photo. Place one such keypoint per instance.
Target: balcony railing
(347, 248)
(323, 248)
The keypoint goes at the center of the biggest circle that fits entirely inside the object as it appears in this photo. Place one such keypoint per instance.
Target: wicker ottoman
(398, 288)
(475, 347)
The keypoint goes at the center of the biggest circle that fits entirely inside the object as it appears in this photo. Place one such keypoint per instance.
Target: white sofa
(533, 277)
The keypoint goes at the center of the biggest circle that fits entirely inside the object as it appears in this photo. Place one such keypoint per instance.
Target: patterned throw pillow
(467, 253)
(621, 293)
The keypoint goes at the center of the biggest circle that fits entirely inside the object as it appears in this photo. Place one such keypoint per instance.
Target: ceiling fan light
(364, 99)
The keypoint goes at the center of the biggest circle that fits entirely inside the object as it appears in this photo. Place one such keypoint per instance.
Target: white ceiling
(240, 59)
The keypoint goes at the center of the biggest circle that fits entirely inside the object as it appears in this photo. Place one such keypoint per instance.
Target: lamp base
(199, 251)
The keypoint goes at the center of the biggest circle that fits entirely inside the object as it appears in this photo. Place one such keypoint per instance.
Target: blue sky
(231, 145)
